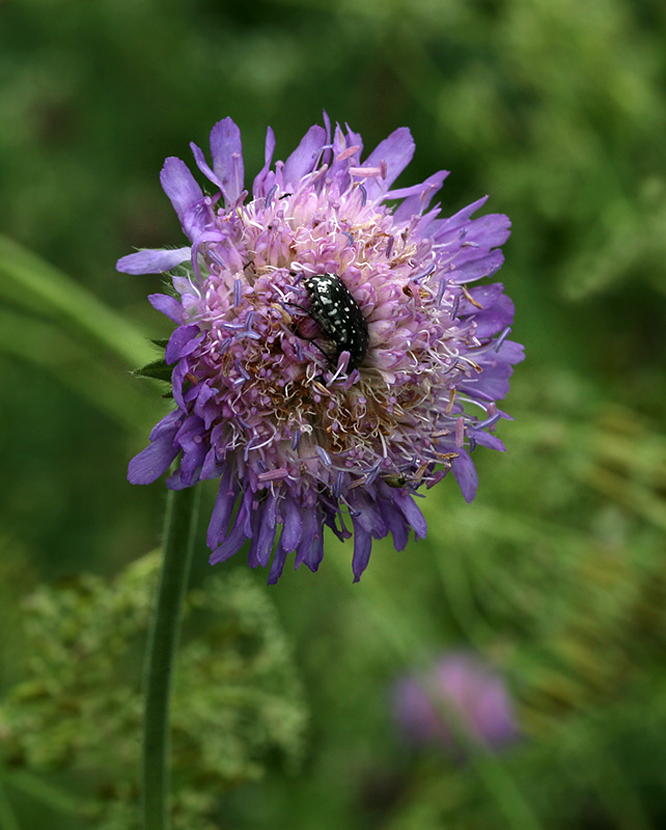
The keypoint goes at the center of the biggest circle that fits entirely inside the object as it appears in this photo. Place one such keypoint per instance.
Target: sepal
(156, 369)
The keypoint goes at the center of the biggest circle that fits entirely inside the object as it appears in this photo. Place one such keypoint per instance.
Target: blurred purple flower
(298, 421)
(464, 687)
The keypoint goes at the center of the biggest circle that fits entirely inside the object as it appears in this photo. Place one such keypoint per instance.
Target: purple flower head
(305, 417)
(459, 687)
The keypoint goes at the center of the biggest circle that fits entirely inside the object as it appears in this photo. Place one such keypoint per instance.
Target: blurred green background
(556, 573)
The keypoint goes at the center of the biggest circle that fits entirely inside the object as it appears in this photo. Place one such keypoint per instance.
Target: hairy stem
(179, 531)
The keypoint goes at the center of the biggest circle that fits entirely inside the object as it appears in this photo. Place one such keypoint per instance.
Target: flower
(460, 688)
(274, 391)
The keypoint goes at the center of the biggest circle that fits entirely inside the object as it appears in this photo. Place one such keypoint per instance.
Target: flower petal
(227, 152)
(227, 496)
(412, 513)
(168, 305)
(417, 198)
(155, 460)
(259, 188)
(465, 474)
(277, 566)
(262, 542)
(396, 151)
(303, 159)
(182, 342)
(231, 545)
(153, 262)
(181, 187)
(362, 549)
(484, 265)
(293, 526)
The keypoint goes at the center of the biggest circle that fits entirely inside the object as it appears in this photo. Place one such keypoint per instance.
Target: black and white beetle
(337, 312)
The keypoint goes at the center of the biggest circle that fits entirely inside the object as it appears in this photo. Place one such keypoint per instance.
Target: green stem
(179, 531)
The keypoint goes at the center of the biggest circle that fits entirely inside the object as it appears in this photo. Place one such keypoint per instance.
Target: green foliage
(556, 572)
(236, 697)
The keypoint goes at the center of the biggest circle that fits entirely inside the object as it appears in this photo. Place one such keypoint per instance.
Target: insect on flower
(338, 314)
(417, 355)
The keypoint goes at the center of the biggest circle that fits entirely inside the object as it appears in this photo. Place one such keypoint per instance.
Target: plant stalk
(163, 633)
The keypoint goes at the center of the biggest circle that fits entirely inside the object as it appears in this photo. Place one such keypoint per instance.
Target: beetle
(336, 311)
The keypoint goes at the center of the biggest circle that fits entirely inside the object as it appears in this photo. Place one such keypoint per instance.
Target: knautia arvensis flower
(301, 431)
(460, 692)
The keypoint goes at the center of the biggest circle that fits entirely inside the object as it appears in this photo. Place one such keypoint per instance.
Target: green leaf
(157, 370)
(33, 786)
(38, 286)
(94, 377)
(8, 820)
